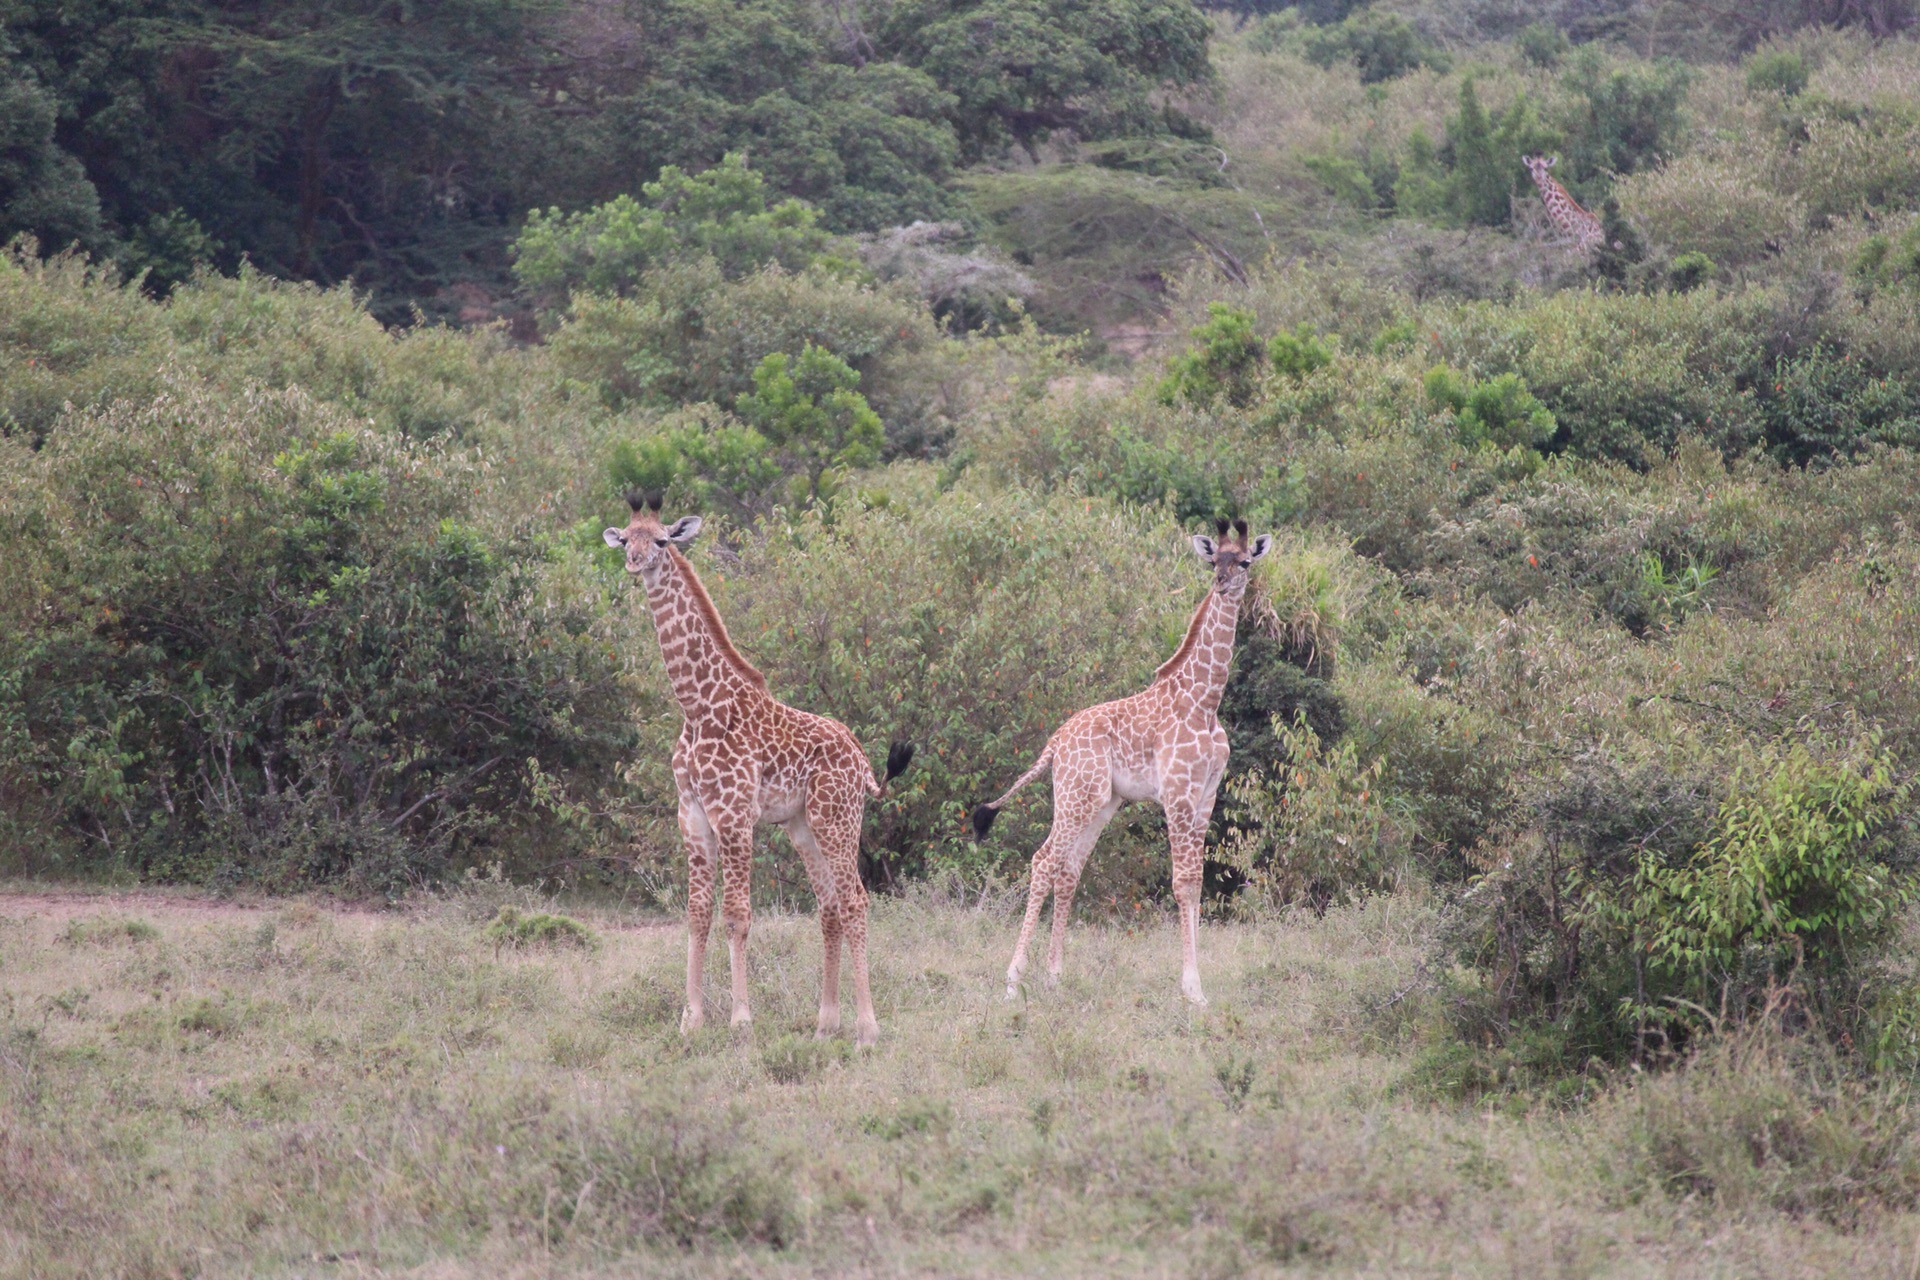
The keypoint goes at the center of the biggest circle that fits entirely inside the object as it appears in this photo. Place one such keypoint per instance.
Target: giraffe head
(647, 539)
(1538, 167)
(1231, 556)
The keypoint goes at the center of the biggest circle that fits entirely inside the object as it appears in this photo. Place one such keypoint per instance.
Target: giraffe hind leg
(1039, 884)
(1066, 882)
(832, 932)
(834, 814)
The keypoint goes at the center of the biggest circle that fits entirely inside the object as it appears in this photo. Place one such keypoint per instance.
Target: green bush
(692, 336)
(249, 637)
(999, 614)
(1620, 119)
(1297, 354)
(1780, 71)
(1652, 904)
(723, 214)
(1822, 405)
(1314, 831)
(809, 412)
(541, 929)
(1224, 366)
(1500, 412)
(1724, 209)
(1383, 46)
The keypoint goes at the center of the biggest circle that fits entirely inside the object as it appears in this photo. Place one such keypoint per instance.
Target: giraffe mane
(704, 603)
(1168, 667)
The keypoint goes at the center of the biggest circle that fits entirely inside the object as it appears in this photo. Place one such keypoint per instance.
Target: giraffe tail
(899, 756)
(984, 815)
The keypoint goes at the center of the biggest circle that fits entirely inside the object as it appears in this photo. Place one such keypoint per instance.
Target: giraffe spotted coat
(1566, 212)
(1163, 744)
(745, 760)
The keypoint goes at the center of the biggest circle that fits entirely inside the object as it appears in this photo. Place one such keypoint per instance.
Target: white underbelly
(781, 804)
(1136, 784)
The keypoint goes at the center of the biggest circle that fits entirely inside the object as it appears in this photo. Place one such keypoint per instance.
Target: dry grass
(288, 1091)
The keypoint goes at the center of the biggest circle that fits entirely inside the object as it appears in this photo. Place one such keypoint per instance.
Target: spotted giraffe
(744, 760)
(1163, 744)
(1563, 209)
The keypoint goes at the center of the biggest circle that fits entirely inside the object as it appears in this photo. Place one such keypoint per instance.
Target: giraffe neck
(1197, 672)
(1566, 212)
(706, 671)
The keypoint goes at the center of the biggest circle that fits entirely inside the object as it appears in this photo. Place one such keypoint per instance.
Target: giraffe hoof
(867, 1034)
(742, 1018)
(691, 1020)
(1052, 980)
(827, 1027)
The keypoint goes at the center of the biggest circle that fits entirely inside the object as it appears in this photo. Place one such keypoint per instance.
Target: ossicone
(1240, 527)
(1220, 527)
(645, 501)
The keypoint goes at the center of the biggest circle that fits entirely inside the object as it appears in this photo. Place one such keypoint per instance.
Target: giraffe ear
(615, 538)
(684, 530)
(1203, 547)
(1261, 545)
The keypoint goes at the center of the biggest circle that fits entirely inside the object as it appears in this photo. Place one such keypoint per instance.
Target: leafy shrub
(1297, 354)
(1821, 405)
(810, 413)
(791, 1059)
(540, 929)
(1795, 872)
(1542, 44)
(1621, 119)
(1225, 366)
(722, 213)
(249, 636)
(691, 336)
(1781, 71)
(1384, 46)
(1715, 207)
(1316, 830)
(1650, 904)
(1500, 412)
(1691, 270)
(1853, 159)
(1000, 613)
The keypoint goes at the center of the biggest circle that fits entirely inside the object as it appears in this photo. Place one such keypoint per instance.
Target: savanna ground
(191, 1087)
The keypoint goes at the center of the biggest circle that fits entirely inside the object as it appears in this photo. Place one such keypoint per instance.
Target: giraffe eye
(659, 542)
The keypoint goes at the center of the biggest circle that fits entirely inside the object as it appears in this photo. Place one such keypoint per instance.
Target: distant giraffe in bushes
(744, 760)
(1573, 221)
(1163, 744)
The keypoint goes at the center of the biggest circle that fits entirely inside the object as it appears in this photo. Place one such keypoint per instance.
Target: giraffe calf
(745, 760)
(1163, 744)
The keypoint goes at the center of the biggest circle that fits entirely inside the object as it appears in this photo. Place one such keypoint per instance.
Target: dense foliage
(1594, 599)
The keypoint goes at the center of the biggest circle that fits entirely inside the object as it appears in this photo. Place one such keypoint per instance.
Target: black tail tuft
(983, 820)
(899, 756)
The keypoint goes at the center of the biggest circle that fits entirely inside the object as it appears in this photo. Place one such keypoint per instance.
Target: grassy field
(200, 1088)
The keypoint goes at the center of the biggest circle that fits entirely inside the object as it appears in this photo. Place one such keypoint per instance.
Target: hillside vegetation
(1591, 639)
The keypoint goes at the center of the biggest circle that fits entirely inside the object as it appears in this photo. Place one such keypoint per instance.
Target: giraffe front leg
(1186, 835)
(736, 860)
(702, 861)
